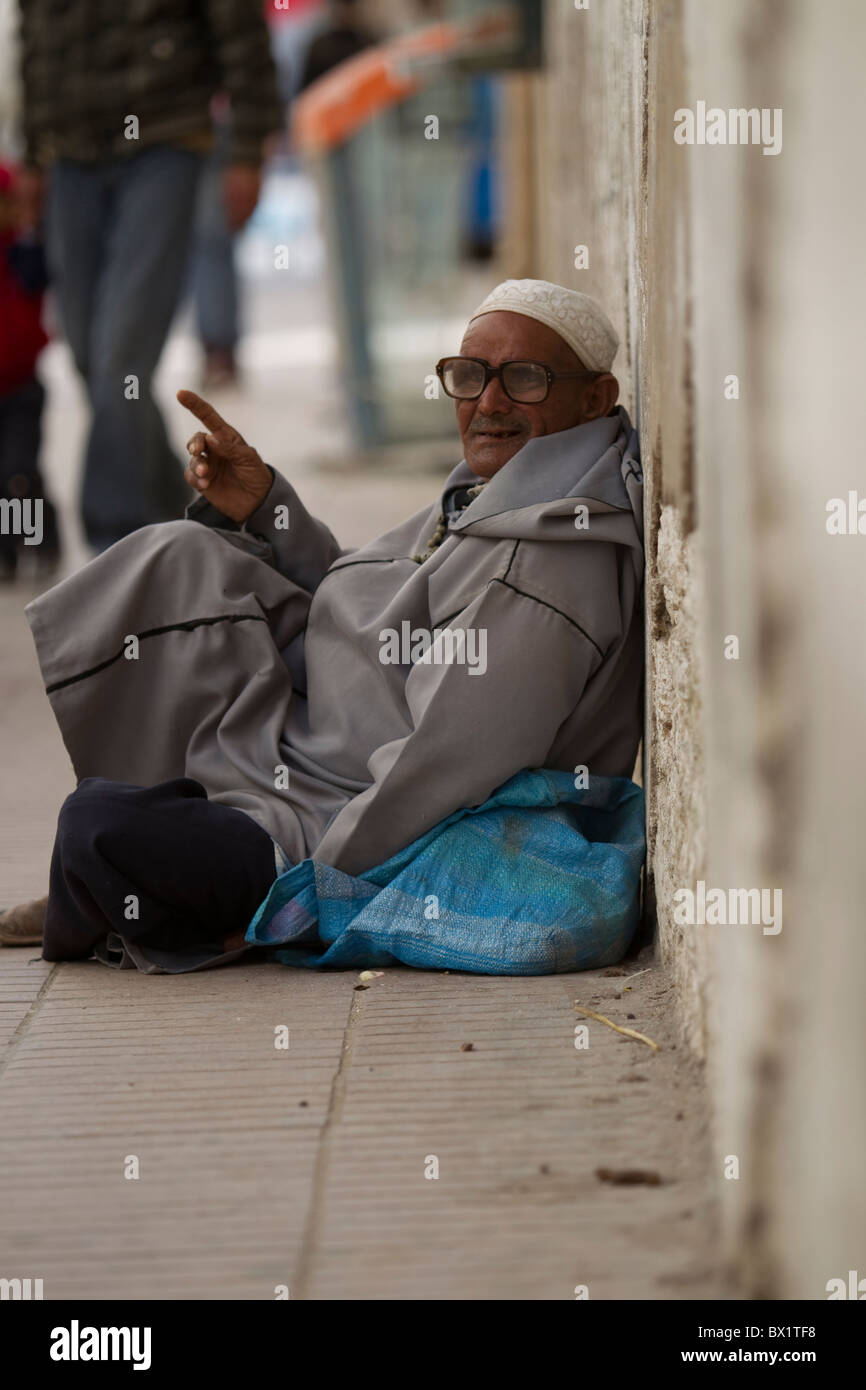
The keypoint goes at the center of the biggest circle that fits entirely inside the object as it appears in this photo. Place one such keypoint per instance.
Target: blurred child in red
(22, 395)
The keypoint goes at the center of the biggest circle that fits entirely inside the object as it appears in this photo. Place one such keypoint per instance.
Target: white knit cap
(579, 320)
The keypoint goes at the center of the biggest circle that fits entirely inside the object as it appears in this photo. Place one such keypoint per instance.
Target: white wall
(717, 260)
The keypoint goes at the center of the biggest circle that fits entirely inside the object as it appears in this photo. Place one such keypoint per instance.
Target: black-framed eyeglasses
(528, 383)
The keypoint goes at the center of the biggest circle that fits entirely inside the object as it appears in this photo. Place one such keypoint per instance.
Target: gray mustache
(494, 422)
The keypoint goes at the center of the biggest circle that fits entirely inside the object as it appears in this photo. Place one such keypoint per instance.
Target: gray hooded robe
(258, 668)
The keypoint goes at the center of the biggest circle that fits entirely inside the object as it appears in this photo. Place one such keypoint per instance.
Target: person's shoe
(23, 925)
(220, 369)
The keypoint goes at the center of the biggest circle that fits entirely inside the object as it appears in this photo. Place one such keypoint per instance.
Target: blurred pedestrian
(22, 338)
(214, 277)
(117, 107)
(214, 282)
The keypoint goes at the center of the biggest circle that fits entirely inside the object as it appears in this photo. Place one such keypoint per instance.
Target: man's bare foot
(23, 925)
(223, 466)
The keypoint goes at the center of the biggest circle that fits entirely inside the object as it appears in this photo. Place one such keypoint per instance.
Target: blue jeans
(118, 244)
(214, 278)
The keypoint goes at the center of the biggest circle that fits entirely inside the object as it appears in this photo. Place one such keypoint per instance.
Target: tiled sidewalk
(261, 1166)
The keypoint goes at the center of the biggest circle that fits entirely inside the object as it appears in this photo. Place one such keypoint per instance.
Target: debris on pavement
(629, 1177)
(627, 1032)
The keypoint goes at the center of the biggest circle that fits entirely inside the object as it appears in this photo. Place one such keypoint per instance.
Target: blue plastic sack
(540, 879)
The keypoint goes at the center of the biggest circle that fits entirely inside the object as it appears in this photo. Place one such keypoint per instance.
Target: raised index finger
(202, 410)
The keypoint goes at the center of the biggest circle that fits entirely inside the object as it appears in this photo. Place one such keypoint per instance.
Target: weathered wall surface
(716, 261)
(609, 177)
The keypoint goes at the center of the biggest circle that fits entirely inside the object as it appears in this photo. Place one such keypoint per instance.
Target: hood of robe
(536, 495)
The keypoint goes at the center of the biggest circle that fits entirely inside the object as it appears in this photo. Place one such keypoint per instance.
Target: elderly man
(234, 684)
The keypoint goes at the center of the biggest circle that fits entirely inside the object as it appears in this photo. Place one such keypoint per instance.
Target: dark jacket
(87, 65)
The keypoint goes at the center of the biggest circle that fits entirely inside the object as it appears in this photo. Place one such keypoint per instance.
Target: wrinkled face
(494, 427)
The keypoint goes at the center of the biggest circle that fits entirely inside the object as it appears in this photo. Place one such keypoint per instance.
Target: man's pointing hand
(222, 465)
